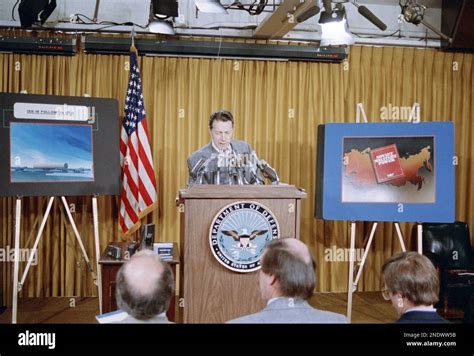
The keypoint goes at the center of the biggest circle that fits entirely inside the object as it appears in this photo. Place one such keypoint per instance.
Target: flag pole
(133, 49)
(143, 199)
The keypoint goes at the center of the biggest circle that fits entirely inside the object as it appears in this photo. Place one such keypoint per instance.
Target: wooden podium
(211, 292)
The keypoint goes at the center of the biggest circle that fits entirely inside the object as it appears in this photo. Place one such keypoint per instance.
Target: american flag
(138, 176)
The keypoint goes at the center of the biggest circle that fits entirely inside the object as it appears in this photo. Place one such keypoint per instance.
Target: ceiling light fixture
(414, 13)
(334, 30)
(210, 6)
(161, 26)
(31, 11)
(164, 8)
(161, 16)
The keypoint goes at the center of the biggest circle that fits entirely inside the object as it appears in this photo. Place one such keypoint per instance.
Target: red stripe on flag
(122, 223)
(146, 163)
(133, 155)
(128, 208)
(144, 193)
(133, 187)
(123, 148)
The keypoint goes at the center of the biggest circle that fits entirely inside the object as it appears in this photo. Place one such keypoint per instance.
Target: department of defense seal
(239, 233)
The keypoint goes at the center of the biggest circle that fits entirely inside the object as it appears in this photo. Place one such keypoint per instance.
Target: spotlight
(30, 10)
(363, 10)
(161, 26)
(161, 12)
(414, 13)
(164, 8)
(334, 29)
(210, 6)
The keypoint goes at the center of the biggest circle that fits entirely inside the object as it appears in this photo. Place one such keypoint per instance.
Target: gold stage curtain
(277, 108)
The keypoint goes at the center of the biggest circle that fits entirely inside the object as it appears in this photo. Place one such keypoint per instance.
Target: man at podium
(224, 160)
(220, 160)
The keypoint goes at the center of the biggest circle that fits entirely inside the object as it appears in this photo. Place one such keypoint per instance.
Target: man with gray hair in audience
(144, 288)
(287, 279)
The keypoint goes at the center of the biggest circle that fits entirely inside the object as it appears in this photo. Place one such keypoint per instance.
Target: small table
(110, 267)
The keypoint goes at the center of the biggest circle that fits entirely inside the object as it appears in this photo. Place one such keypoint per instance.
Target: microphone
(268, 171)
(239, 171)
(196, 168)
(205, 167)
(233, 169)
(251, 169)
(221, 163)
(369, 15)
(218, 175)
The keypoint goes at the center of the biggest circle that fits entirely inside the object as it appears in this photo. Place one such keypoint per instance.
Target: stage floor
(368, 307)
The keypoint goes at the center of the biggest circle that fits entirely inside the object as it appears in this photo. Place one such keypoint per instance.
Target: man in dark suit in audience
(144, 288)
(287, 279)
(411, 283)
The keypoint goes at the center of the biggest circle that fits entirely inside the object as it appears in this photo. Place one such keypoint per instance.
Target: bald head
(298, 249)
(143, 271)
(145, 285)
(290, 263)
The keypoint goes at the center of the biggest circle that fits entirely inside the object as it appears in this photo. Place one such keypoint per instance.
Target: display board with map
(386, 172)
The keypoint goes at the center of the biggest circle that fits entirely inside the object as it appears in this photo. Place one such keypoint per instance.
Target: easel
(352, 284)
(17, 286)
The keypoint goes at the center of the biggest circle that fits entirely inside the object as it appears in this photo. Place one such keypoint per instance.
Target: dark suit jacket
(239, 147)
(421, 317)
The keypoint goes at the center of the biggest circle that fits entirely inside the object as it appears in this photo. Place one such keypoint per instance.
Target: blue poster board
(386, 172)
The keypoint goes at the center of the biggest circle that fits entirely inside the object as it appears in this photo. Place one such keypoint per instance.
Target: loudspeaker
(29, 10)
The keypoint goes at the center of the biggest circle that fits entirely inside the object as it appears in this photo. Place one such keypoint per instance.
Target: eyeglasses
(385, 293)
